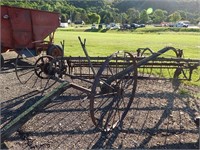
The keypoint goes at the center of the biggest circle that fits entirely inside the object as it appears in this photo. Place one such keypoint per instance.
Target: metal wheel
(42, 67)
(55, 51)
(110, 101)
(34, 71)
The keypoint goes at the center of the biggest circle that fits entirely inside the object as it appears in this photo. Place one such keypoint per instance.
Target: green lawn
(103, 44)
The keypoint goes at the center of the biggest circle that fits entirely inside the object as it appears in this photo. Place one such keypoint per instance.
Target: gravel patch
(159, 118)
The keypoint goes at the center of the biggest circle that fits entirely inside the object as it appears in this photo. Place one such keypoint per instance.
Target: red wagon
(23, 30)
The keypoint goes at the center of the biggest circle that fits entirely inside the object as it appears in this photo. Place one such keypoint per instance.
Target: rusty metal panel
(44, 23)
(6, 34)
(21, 26)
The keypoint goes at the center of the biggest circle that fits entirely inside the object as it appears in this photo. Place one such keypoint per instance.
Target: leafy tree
(117, 17)
(133, 15)
(77, 16)
(144, 18)
(183, 14)
(47, 7)
(196, 21)
(94, 18)
(106, 17)
(159, 16)
(124, 18)
(123, 11)
(175, 17)
(84, 17)
(64, 18)
(87, 3)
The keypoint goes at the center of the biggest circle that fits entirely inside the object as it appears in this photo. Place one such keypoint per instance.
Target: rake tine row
(112, 80)
(160, 67)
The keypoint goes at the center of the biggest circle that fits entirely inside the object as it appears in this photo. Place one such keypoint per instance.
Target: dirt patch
(158, 118)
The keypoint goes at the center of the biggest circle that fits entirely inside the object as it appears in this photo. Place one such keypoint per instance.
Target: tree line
(107, 11)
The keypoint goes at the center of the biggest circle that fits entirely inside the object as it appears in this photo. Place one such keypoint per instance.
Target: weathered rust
(24, 31)
(76, 65)
(32, 26)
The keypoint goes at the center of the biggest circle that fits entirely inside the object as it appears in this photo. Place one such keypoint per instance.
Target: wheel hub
(42, 67)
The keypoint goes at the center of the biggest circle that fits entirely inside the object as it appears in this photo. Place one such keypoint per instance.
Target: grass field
(104, 44)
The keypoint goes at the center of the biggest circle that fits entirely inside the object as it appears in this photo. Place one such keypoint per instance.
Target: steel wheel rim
(109, 111)
(30, 79)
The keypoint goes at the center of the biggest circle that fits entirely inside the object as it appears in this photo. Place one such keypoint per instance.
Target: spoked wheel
(55, 51)
(111, 100)
(42, 67)
(34, 71)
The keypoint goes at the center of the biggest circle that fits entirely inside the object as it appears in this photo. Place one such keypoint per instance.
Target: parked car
(93, 26)
(108, 26)
(115, 27)
(79, 22)
(100, 26)
(135, 25)
(112, 26)
(180, 24)
(171, 25)
(126, 26)
(142, 25)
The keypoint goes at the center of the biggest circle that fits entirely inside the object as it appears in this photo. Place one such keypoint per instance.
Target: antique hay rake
(110, 82)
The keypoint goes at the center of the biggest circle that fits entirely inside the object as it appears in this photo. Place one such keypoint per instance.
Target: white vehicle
(108, 26)
(63, 25)
(181, 24)
(112, 26)
(93, 26)
(115, 27)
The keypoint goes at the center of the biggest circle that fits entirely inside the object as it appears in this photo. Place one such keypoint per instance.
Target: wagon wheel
(109, 103)
(42, 67)
(55, 51)
(34, 71)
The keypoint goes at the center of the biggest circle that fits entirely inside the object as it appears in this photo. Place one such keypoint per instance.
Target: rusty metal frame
(65, 65)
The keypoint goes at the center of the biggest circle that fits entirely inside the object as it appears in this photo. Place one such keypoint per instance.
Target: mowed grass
(104, 44)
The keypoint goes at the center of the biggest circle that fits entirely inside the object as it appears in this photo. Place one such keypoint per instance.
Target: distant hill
(105, 11)
(192, 6)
